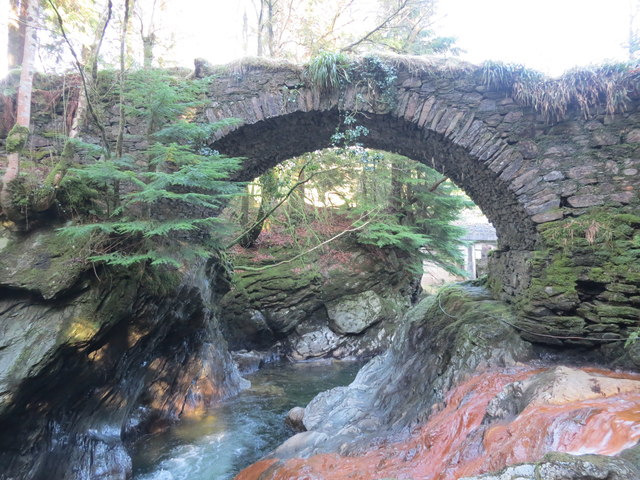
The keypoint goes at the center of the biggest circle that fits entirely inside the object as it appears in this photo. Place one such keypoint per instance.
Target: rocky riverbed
(460, 393)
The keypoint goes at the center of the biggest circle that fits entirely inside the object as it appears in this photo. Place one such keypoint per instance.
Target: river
(239, 431)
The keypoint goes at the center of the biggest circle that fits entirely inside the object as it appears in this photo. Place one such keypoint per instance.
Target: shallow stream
(239, 431)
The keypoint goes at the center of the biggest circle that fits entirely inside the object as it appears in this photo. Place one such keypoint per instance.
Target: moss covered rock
(342, 301)
(586, 273)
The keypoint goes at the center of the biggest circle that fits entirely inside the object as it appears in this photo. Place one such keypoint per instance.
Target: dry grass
(251, 64)
(416, 65)
(590, 89)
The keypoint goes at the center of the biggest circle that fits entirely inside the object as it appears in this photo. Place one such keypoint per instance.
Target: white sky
(548, 35)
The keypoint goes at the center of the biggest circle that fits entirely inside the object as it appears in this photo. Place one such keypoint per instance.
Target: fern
(160, 202)
(328, 70)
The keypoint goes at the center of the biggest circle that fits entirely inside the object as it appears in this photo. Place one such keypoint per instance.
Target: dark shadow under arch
(266, 143)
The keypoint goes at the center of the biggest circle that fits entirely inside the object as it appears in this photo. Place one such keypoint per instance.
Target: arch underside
(266, 143)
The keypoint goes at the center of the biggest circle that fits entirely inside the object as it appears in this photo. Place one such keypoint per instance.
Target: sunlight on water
(240, 431)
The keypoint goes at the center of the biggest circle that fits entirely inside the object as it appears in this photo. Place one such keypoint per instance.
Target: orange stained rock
(256, 469)
(453, 443)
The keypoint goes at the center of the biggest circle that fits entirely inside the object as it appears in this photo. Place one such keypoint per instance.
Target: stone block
(413, 82)
(619, 311)
(553, 176)
(548, 216)
(543, 204)
(582, 201)
(487, 106)
(511, 168)
(633, 136)
(581, 171)
(513, 117)
(623, 288)
(528, 149)
(603, 138)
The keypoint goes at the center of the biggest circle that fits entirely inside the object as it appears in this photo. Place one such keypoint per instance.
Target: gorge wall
(90, 360)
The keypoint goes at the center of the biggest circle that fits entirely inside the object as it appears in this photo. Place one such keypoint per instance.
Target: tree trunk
(123, 43)
(91, 60)
(244, 207)
(269, 190)
(17, 33)
(270, 26)
(395, 196)
(249, 239)
(17, 137)
(148, 43)
(260, 27)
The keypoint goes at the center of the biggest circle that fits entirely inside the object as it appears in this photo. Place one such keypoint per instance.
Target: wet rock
(557, 386)
(87, 365)
(557, 466)
(247, 362)
(294, 419)
(442, 340)
(314, 344)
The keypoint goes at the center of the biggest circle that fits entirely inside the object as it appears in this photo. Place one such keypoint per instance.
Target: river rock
(558, 466)
(248, 362)
(294, 419)
(315, 344)
(442, 340)
(557, 386)
(354, 313)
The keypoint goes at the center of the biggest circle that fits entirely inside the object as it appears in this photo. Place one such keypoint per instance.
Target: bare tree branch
(80, 68)
(380, 26)
(277, 205)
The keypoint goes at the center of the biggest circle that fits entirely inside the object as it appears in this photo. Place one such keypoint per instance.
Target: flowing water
(238, 432)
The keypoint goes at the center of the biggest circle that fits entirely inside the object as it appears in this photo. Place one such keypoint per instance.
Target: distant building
(479, 240)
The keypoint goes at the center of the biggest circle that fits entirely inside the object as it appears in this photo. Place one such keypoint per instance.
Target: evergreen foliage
(416, 210)
(389, 201)
(144, 208)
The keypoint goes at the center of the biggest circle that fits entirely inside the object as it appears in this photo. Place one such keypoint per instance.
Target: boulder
(558, 466)
(353, 314)
(560, 385)
(294, 419)
(315, 344)
(356, 293)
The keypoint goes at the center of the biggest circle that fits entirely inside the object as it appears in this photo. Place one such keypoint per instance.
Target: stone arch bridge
(562, 194)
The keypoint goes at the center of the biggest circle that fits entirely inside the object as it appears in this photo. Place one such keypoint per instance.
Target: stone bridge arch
(528, 176)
